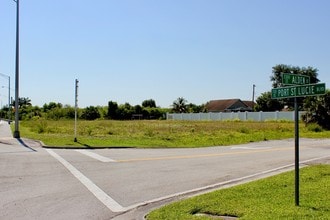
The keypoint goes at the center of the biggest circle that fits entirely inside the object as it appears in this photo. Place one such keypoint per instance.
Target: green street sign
(298, 91)
(295, 79)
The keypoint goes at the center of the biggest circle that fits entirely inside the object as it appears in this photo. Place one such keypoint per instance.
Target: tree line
(317, 108)
(115, 111)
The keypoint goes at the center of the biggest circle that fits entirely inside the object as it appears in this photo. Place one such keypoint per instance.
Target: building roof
(226, 105)
(250, 104)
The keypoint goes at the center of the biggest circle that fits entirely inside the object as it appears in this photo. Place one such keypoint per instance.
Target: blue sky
(133, 50)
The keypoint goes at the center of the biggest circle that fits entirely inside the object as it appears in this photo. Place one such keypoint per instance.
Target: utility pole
(16, 132)
(253, 93)
(75, 110)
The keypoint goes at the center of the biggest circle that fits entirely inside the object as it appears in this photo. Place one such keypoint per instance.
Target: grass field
(160, 133)
(270, 198)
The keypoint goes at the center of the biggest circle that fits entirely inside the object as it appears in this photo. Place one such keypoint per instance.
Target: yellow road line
(204, 155)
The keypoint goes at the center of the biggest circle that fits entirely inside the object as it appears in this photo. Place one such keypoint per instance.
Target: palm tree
(179, 105)
(23, 102)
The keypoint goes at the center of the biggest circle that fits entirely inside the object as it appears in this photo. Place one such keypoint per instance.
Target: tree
(69, 112)
(125, 111)
(318, 110)
(29, 112)
(23, 102)
(278, 70)
(138, 109)
(193, 108)
(179, 105)
(90, 113)
(276, 79)
(25, 107)
(112, 110)
(51, 106)
(149, 103)
(266, 103)
(4, 112)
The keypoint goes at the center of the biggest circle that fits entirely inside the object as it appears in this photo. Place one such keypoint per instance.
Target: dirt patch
(222, 217)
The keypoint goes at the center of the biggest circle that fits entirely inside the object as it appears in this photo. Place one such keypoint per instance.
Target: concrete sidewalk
(5, 131)
(7, 139)
(6, 135)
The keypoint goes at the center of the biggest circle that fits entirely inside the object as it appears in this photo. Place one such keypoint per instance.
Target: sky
(134, 50)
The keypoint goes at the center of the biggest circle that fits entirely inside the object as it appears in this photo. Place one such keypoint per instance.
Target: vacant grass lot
(157, 133)
(270, 198)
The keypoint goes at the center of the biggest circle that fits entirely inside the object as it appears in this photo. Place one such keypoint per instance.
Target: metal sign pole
(75, 112)
(296, 121)
(301, 88)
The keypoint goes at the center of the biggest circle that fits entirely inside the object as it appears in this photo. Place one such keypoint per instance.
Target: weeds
(314, 127)
(162, 133)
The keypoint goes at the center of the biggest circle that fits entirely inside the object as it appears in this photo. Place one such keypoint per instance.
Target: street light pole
(16, 132)
(9, 110)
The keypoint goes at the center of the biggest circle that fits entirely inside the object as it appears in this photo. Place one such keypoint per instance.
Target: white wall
(243, 116)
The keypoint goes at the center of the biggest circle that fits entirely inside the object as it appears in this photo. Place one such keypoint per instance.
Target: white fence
(243, 116)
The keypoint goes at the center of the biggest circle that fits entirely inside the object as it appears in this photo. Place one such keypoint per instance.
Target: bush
(318, 110)
(314, 127)
(41, 125)
(90, 113)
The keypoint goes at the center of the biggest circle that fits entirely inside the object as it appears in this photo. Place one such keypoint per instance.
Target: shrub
(314, 127)
(90, 113)
(41, 126)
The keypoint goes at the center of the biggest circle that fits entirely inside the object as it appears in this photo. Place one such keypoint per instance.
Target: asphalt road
(39, 183)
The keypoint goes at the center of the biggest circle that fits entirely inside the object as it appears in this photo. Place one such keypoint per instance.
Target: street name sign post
(299, 87)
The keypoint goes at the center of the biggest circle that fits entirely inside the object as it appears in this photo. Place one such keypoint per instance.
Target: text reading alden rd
(293, 79)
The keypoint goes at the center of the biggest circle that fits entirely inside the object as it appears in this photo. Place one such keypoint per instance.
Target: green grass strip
(270, 198)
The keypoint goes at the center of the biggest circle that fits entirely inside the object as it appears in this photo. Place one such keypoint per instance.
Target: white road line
(96, 156)
(98, 193)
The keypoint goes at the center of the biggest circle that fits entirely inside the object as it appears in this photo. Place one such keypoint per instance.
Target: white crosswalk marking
(98, 193)
(96, 156)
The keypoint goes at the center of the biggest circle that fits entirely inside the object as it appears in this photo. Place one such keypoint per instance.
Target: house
(229, 105)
